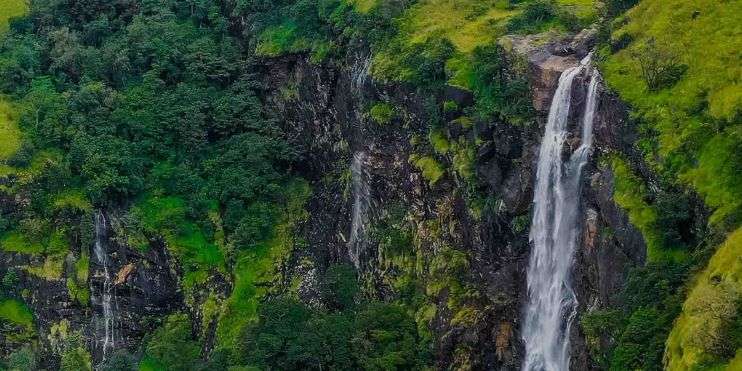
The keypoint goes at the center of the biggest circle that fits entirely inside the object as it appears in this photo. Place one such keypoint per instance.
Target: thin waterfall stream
(359, 216)
(552, 304)
(107, 295)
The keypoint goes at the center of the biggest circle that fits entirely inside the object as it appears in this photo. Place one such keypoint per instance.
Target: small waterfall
(359, 76)
(552, 303)
(107, 296)
(361, 199)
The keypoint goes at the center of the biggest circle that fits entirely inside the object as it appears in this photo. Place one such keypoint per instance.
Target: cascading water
(107, 294)
(552, 303)
(361, 197)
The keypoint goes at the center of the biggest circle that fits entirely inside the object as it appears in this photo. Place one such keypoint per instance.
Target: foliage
(340, 287)
(171, 346)
(10, 9)
(633, 337)
(372, 336)
(258, 266)
(500, 87)
(707, 331)
(382, 113)
(691, 127)
(631, 194)
(119, 360)
(432, 170)
(659, 68)
(8, 131)
(534, 18)
(23, 359)
(16, 312)
(76, 359)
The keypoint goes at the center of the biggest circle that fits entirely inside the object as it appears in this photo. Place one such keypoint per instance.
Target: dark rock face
(324, 112)
(145, 288)
(327, 117)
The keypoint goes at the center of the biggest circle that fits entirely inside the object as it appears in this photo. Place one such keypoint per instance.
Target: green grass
(72, 199)
(166, 216)
(10, 9)
(584, 10)
(705, 327)
(10, 135)
(17, 242)
(256, 269)
(697, 119)
(51, 270)
(631, 194)
(439, 141)
(77, 285)
(363, 6)
(16, 312)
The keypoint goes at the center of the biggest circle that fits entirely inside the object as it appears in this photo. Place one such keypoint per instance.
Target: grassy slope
(10, 9)
(697, 119)
(711, 305)
(9, 133)
(699, 136)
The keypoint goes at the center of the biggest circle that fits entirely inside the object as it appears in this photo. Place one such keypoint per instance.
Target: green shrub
(432, 170)
(450, 106)
(16, 312)
(23, 359)
(383, 113)
(76, 359)
(340, 287)
(171, 347)
(534, 17)
(439, 141)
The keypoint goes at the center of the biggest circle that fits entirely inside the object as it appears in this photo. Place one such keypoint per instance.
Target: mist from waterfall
(107, 295)
(552, 304)
(359, 217)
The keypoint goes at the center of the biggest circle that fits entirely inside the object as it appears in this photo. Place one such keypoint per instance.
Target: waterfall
(552, 303)
(359, 75)
(107, 295)
(361, 197)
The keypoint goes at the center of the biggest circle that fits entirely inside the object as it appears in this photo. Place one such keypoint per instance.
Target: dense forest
(348, 184)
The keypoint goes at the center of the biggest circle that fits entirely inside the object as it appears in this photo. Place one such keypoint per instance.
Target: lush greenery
(708, 333)
(156, 109)
(686, 103)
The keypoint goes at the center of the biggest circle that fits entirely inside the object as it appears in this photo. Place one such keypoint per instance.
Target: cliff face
(464, 264)
(327, 113)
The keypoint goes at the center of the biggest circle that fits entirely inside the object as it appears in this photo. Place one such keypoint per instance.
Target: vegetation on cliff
(157, 111)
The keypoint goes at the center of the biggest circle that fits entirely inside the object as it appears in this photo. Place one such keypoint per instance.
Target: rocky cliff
(460, 207)
(476, 322)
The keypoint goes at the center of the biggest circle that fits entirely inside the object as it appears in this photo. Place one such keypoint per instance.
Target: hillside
(370, 185)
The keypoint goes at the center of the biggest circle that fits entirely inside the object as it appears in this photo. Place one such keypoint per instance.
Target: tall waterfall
(361, 198)
(552, 304)
(107, 295)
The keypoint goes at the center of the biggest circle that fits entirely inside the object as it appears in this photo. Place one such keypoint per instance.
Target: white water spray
(361, 198)
(552, 303)
(107, 295)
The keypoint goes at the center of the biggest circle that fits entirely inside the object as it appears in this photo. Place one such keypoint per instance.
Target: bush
(660, 68)
(432, 170)
(171, 347)
(340, 287)
(23, 359)
(534, 17)
(382, 113)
